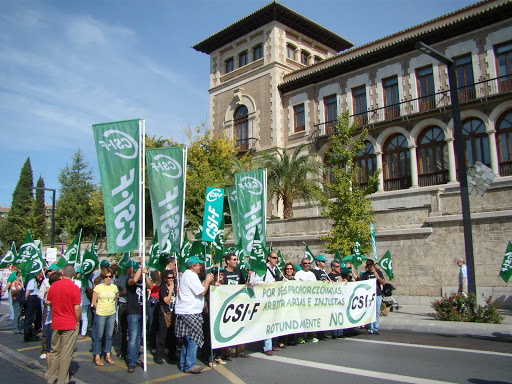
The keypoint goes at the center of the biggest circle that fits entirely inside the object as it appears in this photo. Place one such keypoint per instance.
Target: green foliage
(461, 307)
(73, 209)
(209, 161)
(344, 201)
(39, 225)
(292, 177)
(19, 218)
(97, 216)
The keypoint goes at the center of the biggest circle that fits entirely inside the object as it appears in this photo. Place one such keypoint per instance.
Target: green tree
(73, 209)
(293, 177)
(19, 218)
(346, 203)
(97, 211)
(209, 161)
(39, 225)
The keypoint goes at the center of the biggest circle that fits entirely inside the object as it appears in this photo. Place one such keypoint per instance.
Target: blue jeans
(85, 319)
(267, 345)
(103, 325)
(374, 327)
(188, 354)
(11, 309)
(337, 333)
(133, 348)
(17, 312)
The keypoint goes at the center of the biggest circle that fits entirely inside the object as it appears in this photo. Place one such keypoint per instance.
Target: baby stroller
(387, 293)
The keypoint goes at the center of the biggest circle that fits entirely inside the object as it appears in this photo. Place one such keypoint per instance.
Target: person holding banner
(305, 274)
(233, 276)
(372, 273)
(271, 275)
(189, 314)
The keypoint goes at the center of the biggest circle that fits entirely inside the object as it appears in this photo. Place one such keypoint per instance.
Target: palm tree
(292, 177)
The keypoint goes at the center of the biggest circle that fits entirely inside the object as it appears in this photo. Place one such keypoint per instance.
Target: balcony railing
(244, 145)
(435, 178)
(428, 103)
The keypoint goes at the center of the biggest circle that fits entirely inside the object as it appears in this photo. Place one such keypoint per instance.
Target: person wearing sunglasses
(305, 274)
(165, 335)
(104, 297)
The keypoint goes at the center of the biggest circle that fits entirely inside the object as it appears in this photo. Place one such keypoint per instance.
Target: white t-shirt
(305, 276)
(32, 287)
(189, 301)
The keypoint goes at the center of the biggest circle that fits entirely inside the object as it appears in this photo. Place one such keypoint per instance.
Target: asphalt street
(394, 356)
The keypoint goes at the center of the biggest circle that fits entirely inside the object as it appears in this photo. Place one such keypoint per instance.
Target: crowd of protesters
(108, 307)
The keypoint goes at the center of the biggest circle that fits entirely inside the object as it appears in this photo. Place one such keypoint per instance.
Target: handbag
(168, 317)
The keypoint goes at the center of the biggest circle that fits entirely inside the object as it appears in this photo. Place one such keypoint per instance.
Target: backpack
(21, 296)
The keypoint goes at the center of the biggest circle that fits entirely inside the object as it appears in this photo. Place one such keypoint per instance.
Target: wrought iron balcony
(425, 104)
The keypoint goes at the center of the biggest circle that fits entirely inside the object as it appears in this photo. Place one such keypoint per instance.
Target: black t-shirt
(164, 291)
(134, 298)
(370, 275)
(335, 276)
(320, 275)
(233, 278)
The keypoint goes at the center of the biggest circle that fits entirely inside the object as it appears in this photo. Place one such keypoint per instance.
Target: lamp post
(461, 159)
(53, 213)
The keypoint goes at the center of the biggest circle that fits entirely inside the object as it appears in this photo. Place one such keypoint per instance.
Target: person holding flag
(33, 314)
(371, 272)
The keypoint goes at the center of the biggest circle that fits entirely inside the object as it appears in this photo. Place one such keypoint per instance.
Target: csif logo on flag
(88, 267)
(26, 252)
(361, 303)
(251, 185)
(214, 195)
(232, 196)
(37, 266)
(167, 166)
(125, 145)
(235, 314)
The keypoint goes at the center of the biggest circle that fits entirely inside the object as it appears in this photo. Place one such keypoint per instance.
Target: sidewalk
(415, 318)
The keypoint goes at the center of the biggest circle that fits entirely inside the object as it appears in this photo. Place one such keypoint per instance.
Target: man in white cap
(189, 314)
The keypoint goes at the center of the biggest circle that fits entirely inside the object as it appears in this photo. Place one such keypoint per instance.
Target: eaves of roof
(355, 60)
(273, 12)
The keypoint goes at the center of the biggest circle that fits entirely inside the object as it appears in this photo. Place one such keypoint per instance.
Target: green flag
(281, 262)
(387, 265)
(158, 259)
(31, 267)
(117, 149)
(184, 253)
(213, 212)
(506, 266)
(233, 209)
(308, 254)
(72, 252)
(374, 243)
(125, 258)
(251, 193)
(166, 174)
(9, 257)
(27, 250)
(339, 258)
(257, 260)
(218, 243)
(89, 264)
(94, 246)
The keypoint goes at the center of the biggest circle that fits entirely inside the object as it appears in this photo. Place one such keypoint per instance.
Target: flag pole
(182, 218)
(142, 245)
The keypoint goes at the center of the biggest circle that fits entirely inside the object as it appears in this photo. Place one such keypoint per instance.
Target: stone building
(277, 79)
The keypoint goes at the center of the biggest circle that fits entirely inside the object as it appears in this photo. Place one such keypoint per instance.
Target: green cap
(193, 260)
(320, 258)
(104, 263)
(53, 267)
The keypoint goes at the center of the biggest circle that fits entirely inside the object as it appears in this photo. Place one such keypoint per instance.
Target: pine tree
(39, 227)
(73, 209)
(20, 216)
(346, 203)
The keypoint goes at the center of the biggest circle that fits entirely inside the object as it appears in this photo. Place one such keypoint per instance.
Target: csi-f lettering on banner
(212, 217)
(166, 174)
(251, 191)
(117, 149)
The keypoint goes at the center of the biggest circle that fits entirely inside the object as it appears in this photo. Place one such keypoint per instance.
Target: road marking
(229, 375)
(350, 371)
(29, 348)
(2, 317)
(433, 347)
(165, 378)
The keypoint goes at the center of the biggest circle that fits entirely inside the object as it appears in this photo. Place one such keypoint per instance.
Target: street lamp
(461, 159)
(53, 212)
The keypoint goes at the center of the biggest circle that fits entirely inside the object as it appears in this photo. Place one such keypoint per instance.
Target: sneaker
(42, 356)
(301, 340)
(131, 368)
(314, 340)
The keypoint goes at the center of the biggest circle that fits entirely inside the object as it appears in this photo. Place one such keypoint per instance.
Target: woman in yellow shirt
(104, 297)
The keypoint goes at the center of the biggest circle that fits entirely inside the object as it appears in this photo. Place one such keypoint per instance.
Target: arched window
(366, 161)
(476, 142)
(396, 160)
(504, 144)
(432, 156)
(242, 128)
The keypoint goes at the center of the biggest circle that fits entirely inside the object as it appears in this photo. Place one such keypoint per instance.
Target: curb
(27, 364)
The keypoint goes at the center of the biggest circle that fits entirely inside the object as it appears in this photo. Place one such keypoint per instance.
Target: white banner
(241, 314)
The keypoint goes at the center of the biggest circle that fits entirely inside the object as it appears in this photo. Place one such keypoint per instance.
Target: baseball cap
(320, 258)
(104, 263)
(193, 260)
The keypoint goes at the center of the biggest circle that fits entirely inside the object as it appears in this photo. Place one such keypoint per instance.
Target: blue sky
(65, 65)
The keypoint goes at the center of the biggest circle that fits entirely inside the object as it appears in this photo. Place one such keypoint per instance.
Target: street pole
(53, 213)
(461, 160)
